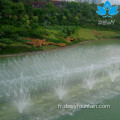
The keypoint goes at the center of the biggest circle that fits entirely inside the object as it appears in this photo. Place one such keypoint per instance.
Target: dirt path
(97, 33)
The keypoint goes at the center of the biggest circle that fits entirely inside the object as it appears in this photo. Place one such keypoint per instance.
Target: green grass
(84, 34)
(109, 34)
(88, 34)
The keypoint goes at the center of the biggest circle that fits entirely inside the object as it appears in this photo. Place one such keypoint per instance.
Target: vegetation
(25, 28)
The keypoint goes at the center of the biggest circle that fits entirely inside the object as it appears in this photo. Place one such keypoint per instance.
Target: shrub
(21, 40)
(15, 36)
(53, 38)
(6, 40)
(5, 30)
(2, 45)
(37, 33)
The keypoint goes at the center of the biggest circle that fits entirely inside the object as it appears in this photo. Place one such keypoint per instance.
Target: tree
(6, 8)
(50, 12)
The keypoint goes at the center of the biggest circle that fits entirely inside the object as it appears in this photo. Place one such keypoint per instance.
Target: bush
(53, 38)
(21, 31)
(21, 40)
(2, 45)
(15, 36)
(6, 30)
(6, 40)
(37, 33)
(2, 34)
(64, 31)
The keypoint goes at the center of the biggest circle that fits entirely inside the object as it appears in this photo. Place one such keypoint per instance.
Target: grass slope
(55, 35)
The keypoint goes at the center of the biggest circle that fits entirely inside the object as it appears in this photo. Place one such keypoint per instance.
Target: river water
(32, 86)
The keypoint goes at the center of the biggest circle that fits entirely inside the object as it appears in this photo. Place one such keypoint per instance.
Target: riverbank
(25, 45)
(53, 49)
(38, 52)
